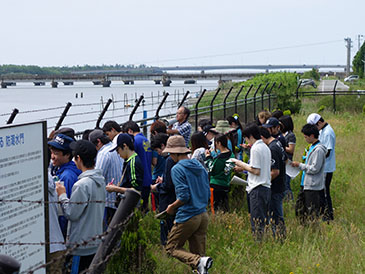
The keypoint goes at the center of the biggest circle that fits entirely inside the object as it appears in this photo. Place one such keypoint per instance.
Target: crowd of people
(183, 175)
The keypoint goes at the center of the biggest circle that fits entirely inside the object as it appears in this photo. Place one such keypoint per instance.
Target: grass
(338, 247)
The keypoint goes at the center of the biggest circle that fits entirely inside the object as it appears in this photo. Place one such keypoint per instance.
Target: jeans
(259, 207)
(288, 191)
(277, 214)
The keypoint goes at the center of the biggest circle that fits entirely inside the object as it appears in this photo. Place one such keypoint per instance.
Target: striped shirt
(184, 130)
(111, 165)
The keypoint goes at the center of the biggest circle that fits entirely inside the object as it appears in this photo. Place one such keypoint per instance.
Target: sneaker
(204, 264)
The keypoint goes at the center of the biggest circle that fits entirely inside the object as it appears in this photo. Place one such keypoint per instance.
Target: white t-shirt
(260, 157)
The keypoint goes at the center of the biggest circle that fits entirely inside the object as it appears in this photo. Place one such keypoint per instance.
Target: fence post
(297, 91)
(135, 107)
(12, 116)
(157, 115)
(254, 100)
(334, 97)
(224, 102)
(59, 123)
(235, 99)
(184, 98)
(262, 95)
(101, 116)
(246, 102)
(273, 85)
(196, 108)
(211, 104)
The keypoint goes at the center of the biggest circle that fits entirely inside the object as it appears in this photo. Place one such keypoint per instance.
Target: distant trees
(357, 63)
(312, 74)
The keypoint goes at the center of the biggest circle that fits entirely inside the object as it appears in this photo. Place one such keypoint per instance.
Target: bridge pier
(106, 83)
(54, 84)
(157, 82)
(166, 82)
(190, 82)
(128, 82)
(39, 83)
(68, 83)
(4, 85)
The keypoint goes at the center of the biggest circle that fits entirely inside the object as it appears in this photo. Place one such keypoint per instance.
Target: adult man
(111, 167)
(86, 218)
(192, 195)
(182, 126)
(273, 125)
(144, 151)
(278, 158)
(112, 129)
(63, 168)
(313, 171)
(259, 177)
(327, 138)
(132, 167)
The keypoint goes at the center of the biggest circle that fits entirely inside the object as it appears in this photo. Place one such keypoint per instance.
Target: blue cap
(61, 142)
(271, 122)
(123, 138)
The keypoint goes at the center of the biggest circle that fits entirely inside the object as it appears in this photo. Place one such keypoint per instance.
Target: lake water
(46, 103)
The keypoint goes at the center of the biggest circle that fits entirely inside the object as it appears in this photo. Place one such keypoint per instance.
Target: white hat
(313, 118)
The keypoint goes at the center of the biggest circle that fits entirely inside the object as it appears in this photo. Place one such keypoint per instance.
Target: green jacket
(219, 170)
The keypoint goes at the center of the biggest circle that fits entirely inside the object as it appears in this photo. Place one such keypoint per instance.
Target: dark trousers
(259, 207)
(108, 216)
(312, 204)
(277, 214)
(145, 193)
(77, 264)
(325, 199)
(220, 201)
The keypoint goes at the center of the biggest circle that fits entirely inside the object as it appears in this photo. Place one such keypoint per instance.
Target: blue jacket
(68, 173)
(191, 187)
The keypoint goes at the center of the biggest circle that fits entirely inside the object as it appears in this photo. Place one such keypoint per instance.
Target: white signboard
(22, 176)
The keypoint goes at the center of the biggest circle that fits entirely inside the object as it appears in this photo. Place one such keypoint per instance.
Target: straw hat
(223, 127)
(176, 144)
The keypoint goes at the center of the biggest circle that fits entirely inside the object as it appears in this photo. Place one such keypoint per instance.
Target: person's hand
(238, 169)
(110, 188)
(159, 180)
(207, 153)
(154, 187)
(60, 189)
(170, 209)
(295, 164)
(245, 146)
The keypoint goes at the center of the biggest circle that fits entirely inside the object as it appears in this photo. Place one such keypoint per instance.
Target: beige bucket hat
(176, 144)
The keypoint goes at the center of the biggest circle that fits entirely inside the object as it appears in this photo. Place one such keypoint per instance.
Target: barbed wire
(84, 243)
(51, 202)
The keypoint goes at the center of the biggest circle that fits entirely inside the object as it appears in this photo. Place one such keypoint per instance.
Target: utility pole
(359, 36)
(348, 46)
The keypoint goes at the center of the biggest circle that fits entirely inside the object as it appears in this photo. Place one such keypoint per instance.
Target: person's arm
(274, 173)
(317, 162)
(243, 166)
(172, 131)
(114, 188)
(290, 149)
(171, 208)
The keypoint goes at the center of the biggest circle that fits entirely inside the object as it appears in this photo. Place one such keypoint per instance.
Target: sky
(170, 33)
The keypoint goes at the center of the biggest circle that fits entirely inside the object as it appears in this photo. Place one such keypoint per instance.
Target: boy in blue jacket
(192, 195)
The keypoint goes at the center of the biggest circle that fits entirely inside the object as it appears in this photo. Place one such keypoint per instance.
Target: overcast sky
(168, 32)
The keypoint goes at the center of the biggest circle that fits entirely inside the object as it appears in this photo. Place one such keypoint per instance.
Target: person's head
(287, 123)
(125, 145)
(310, 133)
(198, 140)
(85, 134)
(158, 127)
(182, 114)
(251, 133)
(98, 138)
(273, 125)
(277, 114)
(234, 121)
(209, 132)
(176, 147)
(131, 128)
(221, 142)
(158, 142)
(263, 116)
(84, 154)
(265, 135)
(60, 149)
(204, 122)
(316, 119)
(111, 129)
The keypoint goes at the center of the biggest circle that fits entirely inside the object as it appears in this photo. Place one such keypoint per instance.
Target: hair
(198, 140)
(130, 125)
(158, 140)
(130, 145)
(85, 134)
(103, 139)
(204, 122)
(234, 119)
(87, 161)
(187, 112)
(264, 132)
(264, 115)
(277, 114)
(320, 120)
(158, 127)
(287, 123)
(221, 138)
(309, 129)
(109, 125)
(251, 130)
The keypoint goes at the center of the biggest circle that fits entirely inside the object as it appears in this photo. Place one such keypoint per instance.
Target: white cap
(313, 118)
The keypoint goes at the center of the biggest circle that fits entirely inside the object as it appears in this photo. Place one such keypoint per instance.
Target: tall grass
(337, 247)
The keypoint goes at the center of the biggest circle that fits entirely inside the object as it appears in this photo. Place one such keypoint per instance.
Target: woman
(235, 123)
(199, 144)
